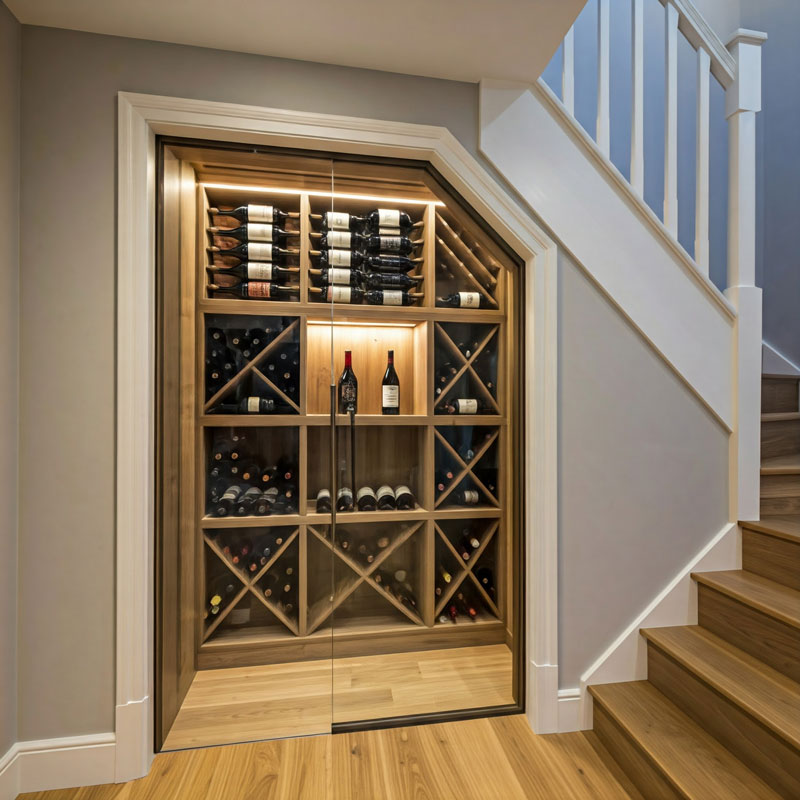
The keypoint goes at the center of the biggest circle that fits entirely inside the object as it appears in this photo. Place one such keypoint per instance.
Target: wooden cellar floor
(483, 759)
(243, 704)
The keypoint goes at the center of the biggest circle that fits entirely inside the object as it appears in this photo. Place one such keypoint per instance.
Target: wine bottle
(323, 505)
(452, 612)
(340, 276)
(344, 499)
(466, 607)
(463, 405)
(246, 503)
(250, 471)
(466, 497)
(391, 297)
(216, 336)
(348, 388)
(443, 376)
(445, 578)
(486, 578)
(340, 221)
(338, 294)
(339, 240)
(224, 449)
(390, 388)
(248, 405)
(399, 245)
(462, 300)
(467, 545)
(443, 478)
(392, 280)
(467, 347)
(255, 271)
(263, 506)
(228, 501)
(366, 499)
(254, 213)
(390, 263)
(220, 589)
(254, 290)
(339, 258)
(255, 251)
(386, 498)
(404, 498)
(254, 232)
(382, 219)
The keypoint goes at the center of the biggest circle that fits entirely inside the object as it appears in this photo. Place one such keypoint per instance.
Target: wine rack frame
(452, 237)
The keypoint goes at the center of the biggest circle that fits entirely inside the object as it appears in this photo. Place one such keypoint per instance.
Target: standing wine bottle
(392, 280)
(254, 213)
(366, 499)
(255, 232)
(391, 297)
(255, 251)
(390, 388)
(404, 498)
(255, 290)
(386, 498)
(340, 276)
(348, 387)
(323, 505)
(248, 405)
(255, 271)
(462, 300)
(344, 499)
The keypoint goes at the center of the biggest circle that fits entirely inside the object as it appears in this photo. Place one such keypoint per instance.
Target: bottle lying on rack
(465, 607)
(444, 579)
(339, 276)
(255, 251)
(443, 478)
(366, 499)
(255, 271)
(255, 290)
(386, 498)
(372, 263)
(468, 544)
(442, 376)
(251, 405)
(375, 297)
(485, 577)
(463, 300)
(399, 280)
(255, 213)
(390, 388)
(338, 258)
(255, 232)
(227, 502)
(404, 498)
(220, 592)
(374, 243)
(465, 497)
(378, 219)
(323, 504)
(245, 507)
(344, 499)
(467, 347)
(463, 405)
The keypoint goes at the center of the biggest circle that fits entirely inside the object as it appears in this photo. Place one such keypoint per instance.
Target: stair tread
(763, 692)
(691, 759)
(780, 416)
(785, 526)
(781, 465)
(762, 594)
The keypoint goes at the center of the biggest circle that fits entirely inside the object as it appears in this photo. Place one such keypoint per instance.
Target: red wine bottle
(340, 276)
(255, 290)
(323, 505)
(392, 280)
(340, 221)
(390, 388)
(255, 251)
(339, 258)
(255, 232)
(338, 294)
(366, 499)
(255, 271)
(404, 498)
(462, 300)
(391, 297)
(382, 219)
(443, 478)
(254, 213)
(344, 500)
(463, 405)
(390, 263)
(249, 405)
(380, 243)
(339, 240)
(386, 498)
(348, 387)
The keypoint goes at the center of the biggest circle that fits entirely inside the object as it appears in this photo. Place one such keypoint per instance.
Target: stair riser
(780, 438)
(778, 396)
(769, 756)
(644, 774)
(774, 642)
(772, 557)
(779, 505)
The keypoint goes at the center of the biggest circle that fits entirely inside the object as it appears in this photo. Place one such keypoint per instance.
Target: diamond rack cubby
(292, 580)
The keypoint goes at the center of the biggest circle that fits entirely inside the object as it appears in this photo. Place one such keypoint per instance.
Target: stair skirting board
(676, 604)
(57, 764)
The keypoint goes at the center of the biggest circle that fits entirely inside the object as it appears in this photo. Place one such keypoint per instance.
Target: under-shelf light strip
(363, 324)
(337, 195)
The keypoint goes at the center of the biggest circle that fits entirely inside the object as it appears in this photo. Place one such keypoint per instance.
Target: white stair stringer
(589, 206)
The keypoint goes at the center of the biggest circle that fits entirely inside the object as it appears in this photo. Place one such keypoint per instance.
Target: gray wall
(643, 474)
(9, 324)
(69, 86)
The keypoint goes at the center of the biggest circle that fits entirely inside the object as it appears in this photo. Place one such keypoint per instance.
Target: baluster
(568, 71)
(701, 144)
(671, 120)
(603, 128)
(637, 101)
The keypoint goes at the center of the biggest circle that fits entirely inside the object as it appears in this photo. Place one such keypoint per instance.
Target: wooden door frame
(141, 119)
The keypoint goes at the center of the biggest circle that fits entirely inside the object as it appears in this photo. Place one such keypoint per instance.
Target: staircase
(719, 715)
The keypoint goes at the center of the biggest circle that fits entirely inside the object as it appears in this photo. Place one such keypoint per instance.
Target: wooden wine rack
(339, 606)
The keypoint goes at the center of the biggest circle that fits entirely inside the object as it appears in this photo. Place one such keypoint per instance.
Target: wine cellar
(295, 528)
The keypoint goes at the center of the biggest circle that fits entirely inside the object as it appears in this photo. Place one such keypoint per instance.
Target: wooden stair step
(781, 416)
(780, 434)
(666, 753)
(779, 393)
(753, 613)
(783, 526)
(780, 494)
(781, 465)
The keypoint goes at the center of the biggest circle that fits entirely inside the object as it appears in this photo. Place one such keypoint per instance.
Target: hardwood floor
(485, 759)
(244, 704)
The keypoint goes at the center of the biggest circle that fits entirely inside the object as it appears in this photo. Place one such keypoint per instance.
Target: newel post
(742, 103)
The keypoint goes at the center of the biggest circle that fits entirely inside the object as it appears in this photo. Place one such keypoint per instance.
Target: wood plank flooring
(485, 759)
(244, 704)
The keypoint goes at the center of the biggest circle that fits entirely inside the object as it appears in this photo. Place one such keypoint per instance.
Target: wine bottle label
(471, 497)
(389, 243)
(253, 405)
(392, 297)
(388, 218)
(344, 492)
(256, 213)
(259, 272)
(340, 239)
(338, 220)
(469, 299)
(258, 289)
(257, 232)
(365, 491)
(259, 252)
(348, 393)
(402, 489)
(339, 294)
(385, 491)
(323, 494)
(390, 396)
(468, 406)
(339, 275)
(339, 258)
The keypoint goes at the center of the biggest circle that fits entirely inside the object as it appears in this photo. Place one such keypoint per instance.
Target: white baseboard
(542, 708)
(776, 363)
(36, 766)
(676, 604)
(134, 751)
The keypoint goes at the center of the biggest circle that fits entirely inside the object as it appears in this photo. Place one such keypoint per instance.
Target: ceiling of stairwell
(455, 39)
